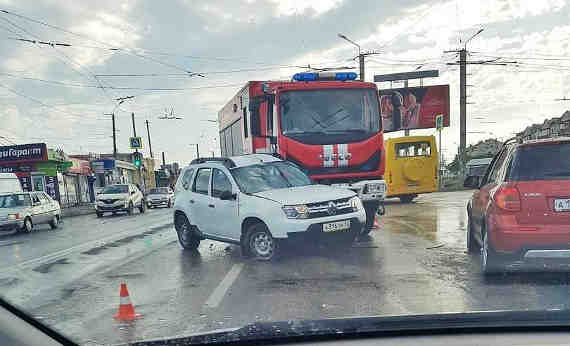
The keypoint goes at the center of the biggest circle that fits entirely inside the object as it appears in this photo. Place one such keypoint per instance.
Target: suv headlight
(374, 188)
(296, 211)
(356, 203)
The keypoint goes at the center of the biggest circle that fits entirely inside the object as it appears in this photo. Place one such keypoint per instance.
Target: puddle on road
(438, 217)
(123, 241)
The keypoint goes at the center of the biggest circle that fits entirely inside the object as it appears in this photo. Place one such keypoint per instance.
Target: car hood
(113, 196)
(305, 194)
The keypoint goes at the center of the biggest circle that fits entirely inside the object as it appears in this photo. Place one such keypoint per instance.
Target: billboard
(414, 108)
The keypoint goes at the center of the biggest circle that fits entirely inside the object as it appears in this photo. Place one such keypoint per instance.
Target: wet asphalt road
(414, 263)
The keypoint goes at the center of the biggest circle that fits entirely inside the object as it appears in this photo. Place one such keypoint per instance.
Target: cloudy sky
(60, 94)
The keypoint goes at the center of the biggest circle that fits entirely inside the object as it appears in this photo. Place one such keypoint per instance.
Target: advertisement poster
(52, 187)
(414, 108)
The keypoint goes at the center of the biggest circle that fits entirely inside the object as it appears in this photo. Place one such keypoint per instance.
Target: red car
(520, 209)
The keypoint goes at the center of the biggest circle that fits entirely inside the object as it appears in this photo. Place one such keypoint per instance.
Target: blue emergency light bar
(311, 76)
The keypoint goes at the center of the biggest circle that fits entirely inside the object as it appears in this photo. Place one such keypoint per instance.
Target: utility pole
(114, 135)
(149, 143)
(163, 160)
(462, 104)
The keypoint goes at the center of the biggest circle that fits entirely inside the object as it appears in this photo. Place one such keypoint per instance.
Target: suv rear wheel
(259, 243)
(490, 260)
(186, 237)
(472, 245)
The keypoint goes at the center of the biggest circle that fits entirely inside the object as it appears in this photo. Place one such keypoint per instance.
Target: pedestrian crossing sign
(136, 142)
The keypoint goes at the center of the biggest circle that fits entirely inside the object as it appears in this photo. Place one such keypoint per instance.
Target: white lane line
(216, 297)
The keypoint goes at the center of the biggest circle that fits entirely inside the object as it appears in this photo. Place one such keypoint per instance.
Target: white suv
(257, 201)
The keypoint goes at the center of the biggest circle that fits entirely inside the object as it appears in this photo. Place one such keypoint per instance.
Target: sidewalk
(76, 211)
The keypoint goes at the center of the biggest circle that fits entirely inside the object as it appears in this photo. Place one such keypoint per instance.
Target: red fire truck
(326, 123)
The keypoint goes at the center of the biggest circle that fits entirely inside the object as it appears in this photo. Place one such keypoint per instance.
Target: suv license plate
(336, 226)
(562, 204)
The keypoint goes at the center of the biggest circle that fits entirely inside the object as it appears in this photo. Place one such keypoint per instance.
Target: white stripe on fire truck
(342, 155)
(328, 160)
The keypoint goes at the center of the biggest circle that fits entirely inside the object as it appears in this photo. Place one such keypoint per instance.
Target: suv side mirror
(472, 181)
(227, 196)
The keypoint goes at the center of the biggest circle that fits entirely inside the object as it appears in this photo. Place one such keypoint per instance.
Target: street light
(360, 55)
(473, 36)
(351, 41)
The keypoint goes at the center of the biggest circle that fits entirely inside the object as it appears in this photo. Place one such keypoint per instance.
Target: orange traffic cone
(126, 310)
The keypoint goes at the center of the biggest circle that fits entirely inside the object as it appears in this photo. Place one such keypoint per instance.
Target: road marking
(216, 297)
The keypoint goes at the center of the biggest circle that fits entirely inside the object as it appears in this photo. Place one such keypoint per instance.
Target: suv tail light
(507, 197)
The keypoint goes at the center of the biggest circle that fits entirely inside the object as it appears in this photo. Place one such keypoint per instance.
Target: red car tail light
(507, 197)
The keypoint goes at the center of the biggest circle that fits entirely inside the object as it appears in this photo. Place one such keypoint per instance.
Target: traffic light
(137, 159)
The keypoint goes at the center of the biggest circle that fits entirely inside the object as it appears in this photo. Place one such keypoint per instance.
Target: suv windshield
(159, 191)
(15, 200)
(275, 175)
(115, 189)
(541, 162)
(329, 111)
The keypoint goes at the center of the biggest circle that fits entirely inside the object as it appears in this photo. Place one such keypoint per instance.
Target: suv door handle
(211, 206)
(191, 201)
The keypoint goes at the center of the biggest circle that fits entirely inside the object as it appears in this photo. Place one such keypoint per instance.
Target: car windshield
(329, 111)
(115, 189)
(541, 162)
(283, 166)
(269, 176)
(15, 200)
(159, 191)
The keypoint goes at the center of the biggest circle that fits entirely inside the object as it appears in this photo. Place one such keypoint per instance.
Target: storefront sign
(23, 152)
(102, 166)
(15, 169)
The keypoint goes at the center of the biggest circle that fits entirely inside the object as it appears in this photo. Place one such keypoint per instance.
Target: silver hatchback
(24, 210)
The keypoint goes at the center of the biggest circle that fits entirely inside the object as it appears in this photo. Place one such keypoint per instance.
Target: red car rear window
(541, 162)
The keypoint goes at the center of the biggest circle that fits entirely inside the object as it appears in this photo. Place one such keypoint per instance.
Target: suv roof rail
(223, 160)
(512, 140)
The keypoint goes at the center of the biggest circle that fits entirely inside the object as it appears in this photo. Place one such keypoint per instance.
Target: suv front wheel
(259, 243)
(186, 237)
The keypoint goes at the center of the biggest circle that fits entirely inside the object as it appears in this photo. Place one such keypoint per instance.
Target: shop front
(38, 168)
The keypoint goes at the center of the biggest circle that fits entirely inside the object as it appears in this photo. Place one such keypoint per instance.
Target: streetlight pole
(360, 55)
(112, 114)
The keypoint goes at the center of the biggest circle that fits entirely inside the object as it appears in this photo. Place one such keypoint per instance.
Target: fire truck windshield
(329, 111)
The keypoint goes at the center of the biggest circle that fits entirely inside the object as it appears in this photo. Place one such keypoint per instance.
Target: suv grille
(329, 208)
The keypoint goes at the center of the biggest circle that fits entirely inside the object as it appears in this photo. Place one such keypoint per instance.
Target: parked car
(9, 182)
(24, 210)
(160, 196)
(258, 201)
(119, 198)
(521, 206)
